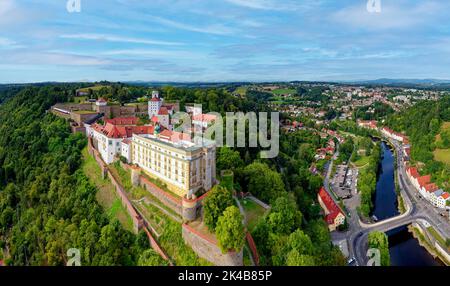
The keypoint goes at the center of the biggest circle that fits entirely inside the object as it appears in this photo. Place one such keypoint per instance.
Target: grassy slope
(106, 194)
(171, 239)
(253, 211)
(284, 91)
(442, 155)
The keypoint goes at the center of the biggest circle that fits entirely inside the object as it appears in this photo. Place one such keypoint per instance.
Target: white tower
(154, 105)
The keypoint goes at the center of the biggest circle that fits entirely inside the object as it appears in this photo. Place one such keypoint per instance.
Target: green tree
(215, 204)
(263, 183)
(379, 240)
(294, 258)
(230, 230)
(285, 215)
(301, 242)
(151, 258)
(228, 159)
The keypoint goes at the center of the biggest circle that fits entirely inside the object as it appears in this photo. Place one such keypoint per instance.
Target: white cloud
(112, 38)
(155, 53)
(6, 6)
(288, 5)
(4, 42)
(51, 58)
(7, 44)
(216, 29)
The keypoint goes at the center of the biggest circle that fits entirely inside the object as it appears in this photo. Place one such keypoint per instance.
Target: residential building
(421, 183)
(372, 124)
(428, 190)
(333, 214)
(443, 200)
(433, 198)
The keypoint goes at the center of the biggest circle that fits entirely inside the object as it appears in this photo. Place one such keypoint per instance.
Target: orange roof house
(333, 214)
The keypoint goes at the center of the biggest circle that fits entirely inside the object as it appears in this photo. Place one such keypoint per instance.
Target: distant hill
(418, 82)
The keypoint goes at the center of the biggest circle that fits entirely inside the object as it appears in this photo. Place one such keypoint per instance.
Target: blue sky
(223, 40)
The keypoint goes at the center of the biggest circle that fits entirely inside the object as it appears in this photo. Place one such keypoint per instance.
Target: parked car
(351, 261)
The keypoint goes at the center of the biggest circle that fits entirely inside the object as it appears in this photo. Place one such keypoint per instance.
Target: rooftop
(123, 121)
(332, 207)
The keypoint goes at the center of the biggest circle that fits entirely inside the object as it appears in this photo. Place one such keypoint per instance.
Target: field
(80, 99)
(82, 112)
(106, 194)
(242, 90)
(445, 127)
(253, 212)
(362, 161)
(284, 91)
(94, 88)
(442, 155)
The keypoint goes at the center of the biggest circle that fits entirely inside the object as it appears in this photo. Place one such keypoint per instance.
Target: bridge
(416, 211)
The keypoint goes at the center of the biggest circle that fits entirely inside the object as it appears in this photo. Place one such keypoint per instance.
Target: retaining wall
(252, 246)
(138, 221)
(208, 249)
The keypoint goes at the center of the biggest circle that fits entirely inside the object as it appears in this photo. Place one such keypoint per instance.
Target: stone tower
(154, 104)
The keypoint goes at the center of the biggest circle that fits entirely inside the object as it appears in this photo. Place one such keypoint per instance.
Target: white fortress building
(185, 167)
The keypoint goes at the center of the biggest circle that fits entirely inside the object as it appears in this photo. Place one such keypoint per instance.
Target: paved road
(417, 209)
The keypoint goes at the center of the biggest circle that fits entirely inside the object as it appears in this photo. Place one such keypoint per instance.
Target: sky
(223, 40)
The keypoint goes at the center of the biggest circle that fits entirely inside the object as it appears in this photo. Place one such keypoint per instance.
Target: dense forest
(422, 123)
(47, 205)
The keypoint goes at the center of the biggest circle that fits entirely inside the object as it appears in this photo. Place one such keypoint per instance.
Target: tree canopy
(215, 204)
(230, 230)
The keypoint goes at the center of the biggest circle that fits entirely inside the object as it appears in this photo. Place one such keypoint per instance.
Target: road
(417, 210)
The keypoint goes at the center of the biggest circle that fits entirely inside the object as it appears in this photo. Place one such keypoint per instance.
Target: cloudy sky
(223, 40)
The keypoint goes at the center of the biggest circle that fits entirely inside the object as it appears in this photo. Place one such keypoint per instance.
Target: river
(385, 201)
(403, 248)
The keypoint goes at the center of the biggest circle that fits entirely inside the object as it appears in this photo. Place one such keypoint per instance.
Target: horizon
(224, 41)
(350, 82)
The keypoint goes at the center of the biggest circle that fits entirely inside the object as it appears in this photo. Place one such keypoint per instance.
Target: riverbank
(420, 235)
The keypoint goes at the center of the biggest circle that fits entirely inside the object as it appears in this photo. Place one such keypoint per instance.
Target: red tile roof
(371, 123)
(424, 180)
(123, 121)
(331, 206)
(204, 117)
(117, 131)
(445, 196)
(431, 188)
(413, 171)
(174, 136)
(155, 119)
(163, 111)
(388, 130)
(155, 99)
